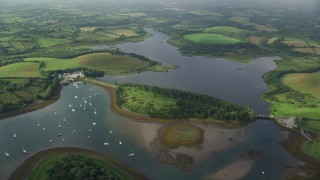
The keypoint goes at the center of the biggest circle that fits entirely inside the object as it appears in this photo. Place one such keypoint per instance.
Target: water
(215, 77)
(199, 74)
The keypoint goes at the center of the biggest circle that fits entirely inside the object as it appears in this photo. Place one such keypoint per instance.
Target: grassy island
(174, 104)
(74, 163)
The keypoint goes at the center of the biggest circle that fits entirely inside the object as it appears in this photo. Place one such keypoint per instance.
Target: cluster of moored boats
(83, 104)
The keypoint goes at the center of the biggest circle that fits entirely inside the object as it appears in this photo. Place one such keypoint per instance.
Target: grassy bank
(37, 165)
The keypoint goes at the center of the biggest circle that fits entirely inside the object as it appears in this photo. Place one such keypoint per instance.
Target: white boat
(76, 97)
(7, 154)
(131, 154)
(38, 124)
(80, 105)
(60, 125)
(95, 112)
(50, 140)
(90, 104)
(94, 123)
(110, 131)
(69, 105)
(85, 101)
(90, 130)
(74, 131)
(55, 112)
(89, 136)
(262, 172)
(64, 119)
(44, 129)
(107, 143)
(59, 134)
(120, 142)
(24, 150)
(14, 134)
(89, 96)
(73, 110)
(62, 139)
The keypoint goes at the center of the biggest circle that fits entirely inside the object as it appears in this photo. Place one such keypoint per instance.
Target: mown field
(110, 64)
(224, 30)
(49, 42)
(22, 69)
(141, 101)
(308, 83)
(246, 21)
(206, 38)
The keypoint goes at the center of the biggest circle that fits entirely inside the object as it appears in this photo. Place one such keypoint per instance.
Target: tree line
(79, 167)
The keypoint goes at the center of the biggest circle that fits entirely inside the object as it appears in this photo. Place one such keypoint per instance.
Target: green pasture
(206, 38)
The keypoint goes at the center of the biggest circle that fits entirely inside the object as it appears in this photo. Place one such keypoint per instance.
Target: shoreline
(27, 166)
(293, 144)
(30, 108)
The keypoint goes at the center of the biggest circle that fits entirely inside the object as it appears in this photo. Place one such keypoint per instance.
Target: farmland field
(48, 42)
(223, 30)
(110, 64)
(23, 69)
(205, 38)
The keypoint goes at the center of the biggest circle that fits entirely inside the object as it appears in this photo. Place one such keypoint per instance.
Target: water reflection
(232, 81)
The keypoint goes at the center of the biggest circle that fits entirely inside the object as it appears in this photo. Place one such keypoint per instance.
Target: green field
(206, 38)
(97, 37)
(181, 135)
(224, 30)
(246, 21)
(297, 104)
(49, 42)
(295, 42)
(110, 64)
(22, 69)
(304, 82)
(126, 32)
(40, 171)
(312, 148)
(141, 101)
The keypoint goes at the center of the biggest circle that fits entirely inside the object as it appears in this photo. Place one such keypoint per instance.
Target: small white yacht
(24, 150)
(131, 154)
(14, 134)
